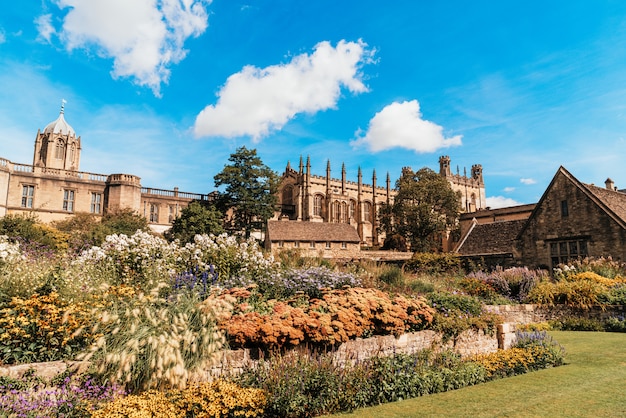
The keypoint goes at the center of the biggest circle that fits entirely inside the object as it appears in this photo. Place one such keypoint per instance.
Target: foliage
(433, 263)
(216, 399)
(603, 266)
(305, 384)
(575, 323)
(424, 207)
(514, 283)
(250, 191)
(395, 242)
(67, 396)
(198, 218)
(120, 221)
(310, 281)
(392, 275)
(338, 316)
(150, 342)
(455, 314)
(83, 229)
(43, 328)
(582, 289)
(32, 234)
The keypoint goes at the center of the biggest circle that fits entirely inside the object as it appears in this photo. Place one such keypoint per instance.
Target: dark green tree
(424, 208)
(200, 217)
(250, 190)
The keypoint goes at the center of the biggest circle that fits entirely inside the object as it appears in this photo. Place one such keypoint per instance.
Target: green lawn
(592, 383)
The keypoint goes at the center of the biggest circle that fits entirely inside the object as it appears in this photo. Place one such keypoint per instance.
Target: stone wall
(525, 314)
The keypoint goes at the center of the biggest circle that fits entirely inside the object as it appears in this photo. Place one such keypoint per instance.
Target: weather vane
(63, 101)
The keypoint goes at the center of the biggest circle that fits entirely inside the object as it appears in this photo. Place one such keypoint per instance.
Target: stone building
(571, 220)
(53, 187)
(313, 239)
(304, 196)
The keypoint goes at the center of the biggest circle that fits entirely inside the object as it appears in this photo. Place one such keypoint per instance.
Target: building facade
(53, 187)
(303, 196)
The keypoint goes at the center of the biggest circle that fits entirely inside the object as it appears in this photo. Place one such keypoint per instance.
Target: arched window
(59, 152)
(344, 212)
(318, 203)
(352, 214)
(288, 195)
(336, 212)
(367, 212)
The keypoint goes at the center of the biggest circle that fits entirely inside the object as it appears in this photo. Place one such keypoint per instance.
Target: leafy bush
(447, 302)
(215, 399)
(63, 396)
(338, 316)
(533, 351)
(605, 267)
(304, 384)
(575, 323)
(43, 328)
(434, 263)
(513, 283)
(393, 276)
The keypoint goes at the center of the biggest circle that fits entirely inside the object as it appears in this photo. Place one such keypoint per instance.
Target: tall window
(288, 195)
(96, 203)
(154, 212)
(352, 209)
(336, 211)
(367, 212)
(68, 200)
(564, 209)
(318, 202)
(27, 196)
(173, 213)
(72, 152)
(344, 212)
(59, 152)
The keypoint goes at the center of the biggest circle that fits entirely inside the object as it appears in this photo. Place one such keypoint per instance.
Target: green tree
(424, 208)
(199, 217)
(121, 221)
(250, 190)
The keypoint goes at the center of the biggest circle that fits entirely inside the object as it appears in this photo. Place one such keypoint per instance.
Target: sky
(168, 89)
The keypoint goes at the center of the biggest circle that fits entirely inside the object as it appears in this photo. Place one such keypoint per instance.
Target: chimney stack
(609, 184)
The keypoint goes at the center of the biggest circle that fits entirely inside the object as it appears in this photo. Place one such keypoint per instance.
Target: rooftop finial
(63, 101)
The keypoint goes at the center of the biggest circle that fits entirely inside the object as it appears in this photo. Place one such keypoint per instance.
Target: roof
(494, 213)
(490, 238)
(614, 200)
(311, 231)
(59, 126)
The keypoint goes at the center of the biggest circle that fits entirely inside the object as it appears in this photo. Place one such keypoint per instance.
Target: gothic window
(367, 212)
(288, 195)
(318, 202)
(72, 152)
(154, 212)
(59, 152)
(352, 209)
(68, 200)
(28, 193)
(96, 203)
(336, 212)
(344, 212)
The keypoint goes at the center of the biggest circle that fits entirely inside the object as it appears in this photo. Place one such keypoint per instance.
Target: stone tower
(57, 147)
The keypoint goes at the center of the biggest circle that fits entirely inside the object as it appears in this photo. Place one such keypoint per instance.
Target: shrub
(575, 323)
(392, 275)
(64, 396)
(215, 399)
(338, 316)
(605, 267)
(434, 263)
(43, 328)
(311, 281)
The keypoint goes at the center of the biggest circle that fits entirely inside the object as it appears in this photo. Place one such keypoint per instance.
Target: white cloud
(496, 202)
(144, 37)
(256, 101)
(401, 125)
(509, 189)
(527, 181)
(44, 27)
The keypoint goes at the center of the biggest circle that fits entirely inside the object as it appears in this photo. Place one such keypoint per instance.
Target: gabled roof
(311, 231)
(490, 238)
(615, 201)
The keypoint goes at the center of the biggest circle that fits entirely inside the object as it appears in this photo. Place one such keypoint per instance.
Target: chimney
(609, 184)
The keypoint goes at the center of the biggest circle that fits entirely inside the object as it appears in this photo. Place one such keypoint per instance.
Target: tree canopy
(424, 208)
(199, 217)
(250, 190)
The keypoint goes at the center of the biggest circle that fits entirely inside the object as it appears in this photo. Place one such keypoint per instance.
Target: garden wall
(525, 314)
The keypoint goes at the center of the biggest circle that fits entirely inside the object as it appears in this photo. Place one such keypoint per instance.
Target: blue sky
(168, 89)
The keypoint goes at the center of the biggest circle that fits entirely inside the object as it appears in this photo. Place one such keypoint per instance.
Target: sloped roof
(615, 201)
(491, 238)
(59, 126)
(311, 231)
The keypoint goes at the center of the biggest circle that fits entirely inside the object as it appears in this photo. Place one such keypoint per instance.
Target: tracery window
(367, 212)
(59, 152)
(318, 202)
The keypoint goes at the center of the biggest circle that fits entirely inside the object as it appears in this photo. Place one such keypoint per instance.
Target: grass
(591, 384)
